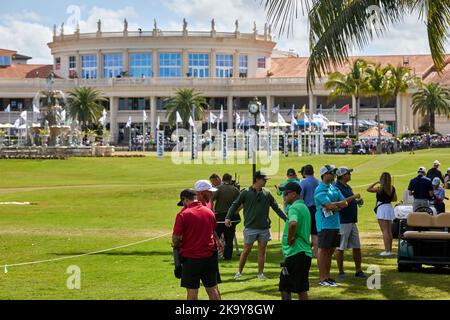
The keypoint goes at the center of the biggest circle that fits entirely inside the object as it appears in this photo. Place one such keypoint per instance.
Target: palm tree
(84, 106)
(400, 80)
(378, 86)
(337, 26)
(183, 102)
(349, 85)
(431, 100)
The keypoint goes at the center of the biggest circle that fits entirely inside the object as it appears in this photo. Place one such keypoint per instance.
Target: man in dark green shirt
(296, 245)
(256, 201)
(223, 199)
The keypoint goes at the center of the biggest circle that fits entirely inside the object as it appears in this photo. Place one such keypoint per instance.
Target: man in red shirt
(193, 234)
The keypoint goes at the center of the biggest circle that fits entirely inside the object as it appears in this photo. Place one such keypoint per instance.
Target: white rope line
(82, 255)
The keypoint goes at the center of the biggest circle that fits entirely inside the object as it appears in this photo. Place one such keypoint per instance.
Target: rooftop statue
(254, 27)
(184, 24)
(99, 25)
(237, 25)
(155, 25)
(54, 30)
(213, 25)
(62, 28)
(125, 25)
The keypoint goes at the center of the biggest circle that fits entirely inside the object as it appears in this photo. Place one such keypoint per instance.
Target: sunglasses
(285, 193)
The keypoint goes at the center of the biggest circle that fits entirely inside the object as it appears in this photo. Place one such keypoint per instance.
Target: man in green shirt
(291, 177)
(256, 201)
(296, 245)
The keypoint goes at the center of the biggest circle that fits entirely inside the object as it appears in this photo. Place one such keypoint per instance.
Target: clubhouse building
(138, 70)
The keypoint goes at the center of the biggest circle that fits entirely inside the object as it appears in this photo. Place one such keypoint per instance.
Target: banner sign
(269, 145)
(160, 144)
(224, 145)
(194, 146)
(286, 149)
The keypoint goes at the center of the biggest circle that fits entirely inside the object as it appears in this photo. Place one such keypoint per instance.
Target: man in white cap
(435, 172)
(421, 189)
(204, 191)
(439, 196)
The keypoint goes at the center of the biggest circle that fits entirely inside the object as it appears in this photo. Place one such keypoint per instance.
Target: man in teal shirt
(296, 245)
(329, 201)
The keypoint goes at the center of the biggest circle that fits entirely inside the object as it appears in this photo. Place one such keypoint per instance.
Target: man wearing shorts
(296, 245)
(309, 185)
(193, 235)
(329, 201)
(349, 230)
(256, 201)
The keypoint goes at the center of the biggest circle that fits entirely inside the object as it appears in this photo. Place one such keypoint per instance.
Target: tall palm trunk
(397, 96)
(432, 121)
(356, 129)
(379, 125)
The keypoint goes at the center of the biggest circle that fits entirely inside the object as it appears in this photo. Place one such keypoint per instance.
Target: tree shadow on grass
(120, 253)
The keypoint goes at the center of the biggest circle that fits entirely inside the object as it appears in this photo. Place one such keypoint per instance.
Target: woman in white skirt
(385, 211)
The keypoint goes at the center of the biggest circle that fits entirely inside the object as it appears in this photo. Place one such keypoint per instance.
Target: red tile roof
(25, 71)
(297, 67)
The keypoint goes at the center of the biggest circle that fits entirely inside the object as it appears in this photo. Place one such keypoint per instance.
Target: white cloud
(27, 38)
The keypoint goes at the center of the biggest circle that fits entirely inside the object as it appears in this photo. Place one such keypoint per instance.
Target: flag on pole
(128, 125)
(345, 109)
(281, 119)
(293, 122)
(302, 111)
(212, 117)
(158, 123)
(221, 113)
(262, 119)
(17, 123)
(23, 115)
(36, 109)
(263, 108)
(305, 118)
(191, 122)
(238, 119)
(292, 110)
(242, 123)
(276, 109)
(8, 108)
(144, 116)
(179, 120)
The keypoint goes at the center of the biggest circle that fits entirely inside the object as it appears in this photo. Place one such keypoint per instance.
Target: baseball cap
(291, 172)
(187, 193)
(343, 171)
(448, 169)
(260, 175)
(437, 163)
(293, 187)
(327, 169)
(204, 185)
(436, 181)
(422, 170)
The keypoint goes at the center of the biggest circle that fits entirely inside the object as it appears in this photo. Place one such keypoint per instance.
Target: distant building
(137, 70)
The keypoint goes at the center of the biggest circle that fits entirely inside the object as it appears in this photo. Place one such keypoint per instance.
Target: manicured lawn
(87, 205)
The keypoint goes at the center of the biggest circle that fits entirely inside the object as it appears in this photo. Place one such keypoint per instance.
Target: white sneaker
(386, 254)
(237, 276)
(262, 276)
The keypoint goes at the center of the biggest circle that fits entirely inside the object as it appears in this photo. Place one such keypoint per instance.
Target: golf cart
(403, 209)
(427, 241)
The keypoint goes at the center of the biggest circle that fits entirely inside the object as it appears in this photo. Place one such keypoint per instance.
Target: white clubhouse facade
(137, 70)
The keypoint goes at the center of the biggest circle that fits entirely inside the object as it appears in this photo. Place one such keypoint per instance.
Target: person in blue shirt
(329, 201)
(422, 189)
(309, 185)
(348, 218)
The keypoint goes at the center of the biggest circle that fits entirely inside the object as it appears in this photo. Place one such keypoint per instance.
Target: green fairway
(87, 205)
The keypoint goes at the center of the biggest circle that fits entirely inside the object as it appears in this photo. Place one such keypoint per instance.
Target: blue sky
(26, 26)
